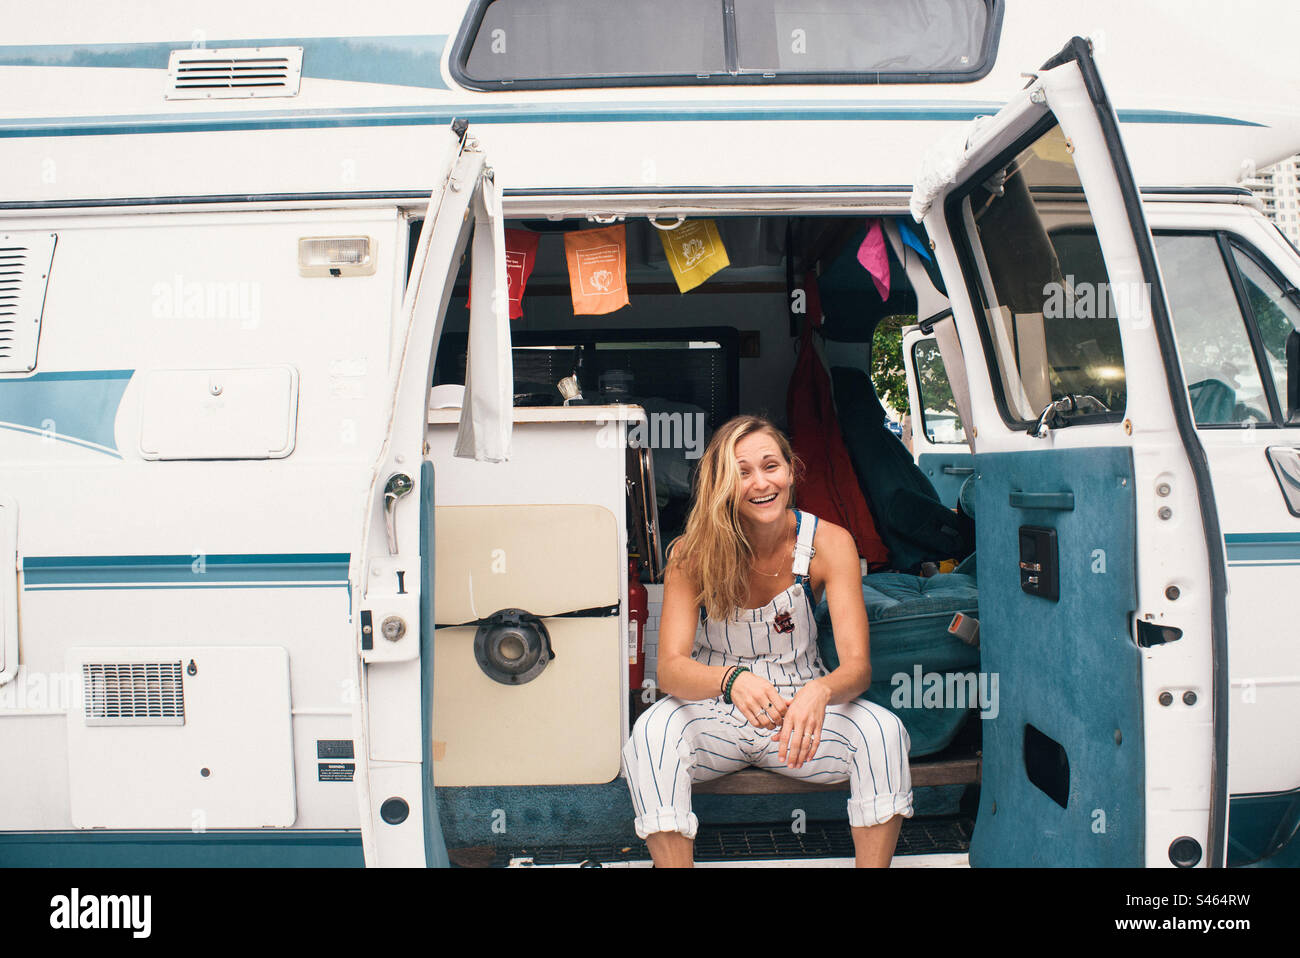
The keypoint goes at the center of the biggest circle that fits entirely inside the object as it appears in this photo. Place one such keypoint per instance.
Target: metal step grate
(757, 842)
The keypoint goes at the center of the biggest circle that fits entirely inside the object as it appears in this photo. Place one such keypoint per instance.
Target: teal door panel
(1063, 773)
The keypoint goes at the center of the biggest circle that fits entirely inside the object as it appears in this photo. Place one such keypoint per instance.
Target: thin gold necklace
(772, 575)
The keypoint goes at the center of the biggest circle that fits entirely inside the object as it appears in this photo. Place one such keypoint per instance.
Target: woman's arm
(677, 673)
(848, 614)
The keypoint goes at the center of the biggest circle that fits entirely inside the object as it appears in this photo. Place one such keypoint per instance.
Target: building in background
(1279, 187)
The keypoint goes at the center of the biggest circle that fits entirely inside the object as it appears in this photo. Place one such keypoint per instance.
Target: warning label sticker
(336, 771)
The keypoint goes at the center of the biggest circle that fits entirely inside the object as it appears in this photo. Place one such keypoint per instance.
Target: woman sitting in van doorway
(752, 689)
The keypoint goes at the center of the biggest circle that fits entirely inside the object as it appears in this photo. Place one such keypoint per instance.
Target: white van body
(200, 432)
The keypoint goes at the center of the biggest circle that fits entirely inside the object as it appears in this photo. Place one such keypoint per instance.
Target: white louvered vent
(133, 693)
(24, 273)
(233, 72)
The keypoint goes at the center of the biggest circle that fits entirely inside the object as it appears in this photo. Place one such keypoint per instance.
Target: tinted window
(1223, 381)
(577, 43)
(861, 36)
(1276, 317)
(597, 38)
(938, 411)
(1050, 314)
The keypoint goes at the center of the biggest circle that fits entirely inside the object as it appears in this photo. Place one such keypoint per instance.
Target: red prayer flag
(521, 256)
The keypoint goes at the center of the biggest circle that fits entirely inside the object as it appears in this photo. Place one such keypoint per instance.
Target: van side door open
(1101, 567)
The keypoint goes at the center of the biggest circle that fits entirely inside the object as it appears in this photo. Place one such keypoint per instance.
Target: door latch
(399, 485)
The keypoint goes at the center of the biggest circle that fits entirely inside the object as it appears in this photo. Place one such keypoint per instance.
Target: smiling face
(765, 478)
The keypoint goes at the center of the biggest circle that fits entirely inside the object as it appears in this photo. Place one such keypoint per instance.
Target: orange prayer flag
(597, 269)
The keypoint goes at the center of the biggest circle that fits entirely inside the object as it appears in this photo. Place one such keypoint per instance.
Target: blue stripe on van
(71, 406)
(1254, 547)
(218, 848)
(665, 112)
(413, 60)
(162, 571)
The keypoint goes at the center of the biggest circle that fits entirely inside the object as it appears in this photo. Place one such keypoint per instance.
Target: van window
(598, 39)
(938, 412)
(523, 39)
(1276, 317)
(531, 44)
(1050, 316)
(1223, 381)
(861, 36)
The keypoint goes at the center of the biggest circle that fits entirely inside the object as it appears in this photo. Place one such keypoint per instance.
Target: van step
(757, 781)
(715, 843)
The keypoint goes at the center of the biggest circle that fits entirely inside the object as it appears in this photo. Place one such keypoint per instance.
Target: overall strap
(803, 546)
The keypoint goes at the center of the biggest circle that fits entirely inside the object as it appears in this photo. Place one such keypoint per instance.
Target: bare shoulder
(835, 547)
(680, 578)
(832, 538)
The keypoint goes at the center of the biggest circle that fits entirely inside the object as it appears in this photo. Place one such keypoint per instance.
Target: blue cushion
(909, 617)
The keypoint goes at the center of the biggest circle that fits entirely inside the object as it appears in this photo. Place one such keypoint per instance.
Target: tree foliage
(887, 372)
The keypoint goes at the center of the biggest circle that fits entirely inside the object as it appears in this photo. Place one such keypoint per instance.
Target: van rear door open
(392, 589)
(1101, 566)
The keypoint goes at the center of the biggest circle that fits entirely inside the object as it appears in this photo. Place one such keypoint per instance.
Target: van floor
(821, 843)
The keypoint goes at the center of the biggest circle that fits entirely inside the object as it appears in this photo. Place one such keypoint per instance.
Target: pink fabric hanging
(874, 257)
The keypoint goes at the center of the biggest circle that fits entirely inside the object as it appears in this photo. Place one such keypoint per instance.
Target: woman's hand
(801, 731)
(758, 700)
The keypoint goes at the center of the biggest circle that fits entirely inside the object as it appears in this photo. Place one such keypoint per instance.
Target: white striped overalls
(676, 743)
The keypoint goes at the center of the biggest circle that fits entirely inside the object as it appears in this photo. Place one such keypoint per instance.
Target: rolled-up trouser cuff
(878, 809)
(667, 819)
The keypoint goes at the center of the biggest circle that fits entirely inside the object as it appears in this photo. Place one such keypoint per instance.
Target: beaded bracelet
(726, 674)
(726, 695)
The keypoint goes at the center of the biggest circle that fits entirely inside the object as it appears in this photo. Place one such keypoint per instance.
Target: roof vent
(24, 273)
(133, 693)
(233, 72)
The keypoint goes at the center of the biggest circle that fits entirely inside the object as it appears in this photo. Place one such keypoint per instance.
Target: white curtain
(487, 415)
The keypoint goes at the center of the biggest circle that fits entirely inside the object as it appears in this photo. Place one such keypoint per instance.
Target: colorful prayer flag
(911, 239)
(695, 252)
(521, 256)
(597, 269)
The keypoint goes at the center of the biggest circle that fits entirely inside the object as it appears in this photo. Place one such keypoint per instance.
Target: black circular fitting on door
(512, 646)
(1185, 852)
(394, 811)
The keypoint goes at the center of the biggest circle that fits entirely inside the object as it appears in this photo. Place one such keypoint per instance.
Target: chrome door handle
(399, 484)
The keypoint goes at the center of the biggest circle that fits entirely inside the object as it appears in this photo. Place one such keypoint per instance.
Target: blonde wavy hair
(714, 547)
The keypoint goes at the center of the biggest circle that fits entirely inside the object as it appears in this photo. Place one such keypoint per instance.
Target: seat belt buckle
(966, 628)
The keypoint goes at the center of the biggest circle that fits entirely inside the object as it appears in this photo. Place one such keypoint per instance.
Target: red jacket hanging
(829, 487)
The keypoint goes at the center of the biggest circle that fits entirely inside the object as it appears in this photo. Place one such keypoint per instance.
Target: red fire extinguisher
(638, 611)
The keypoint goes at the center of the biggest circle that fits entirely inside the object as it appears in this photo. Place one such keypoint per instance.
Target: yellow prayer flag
(695, 252)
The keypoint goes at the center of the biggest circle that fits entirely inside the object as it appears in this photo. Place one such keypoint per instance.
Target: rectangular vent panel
(133, 693)
(233, 72)
(25, 260)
